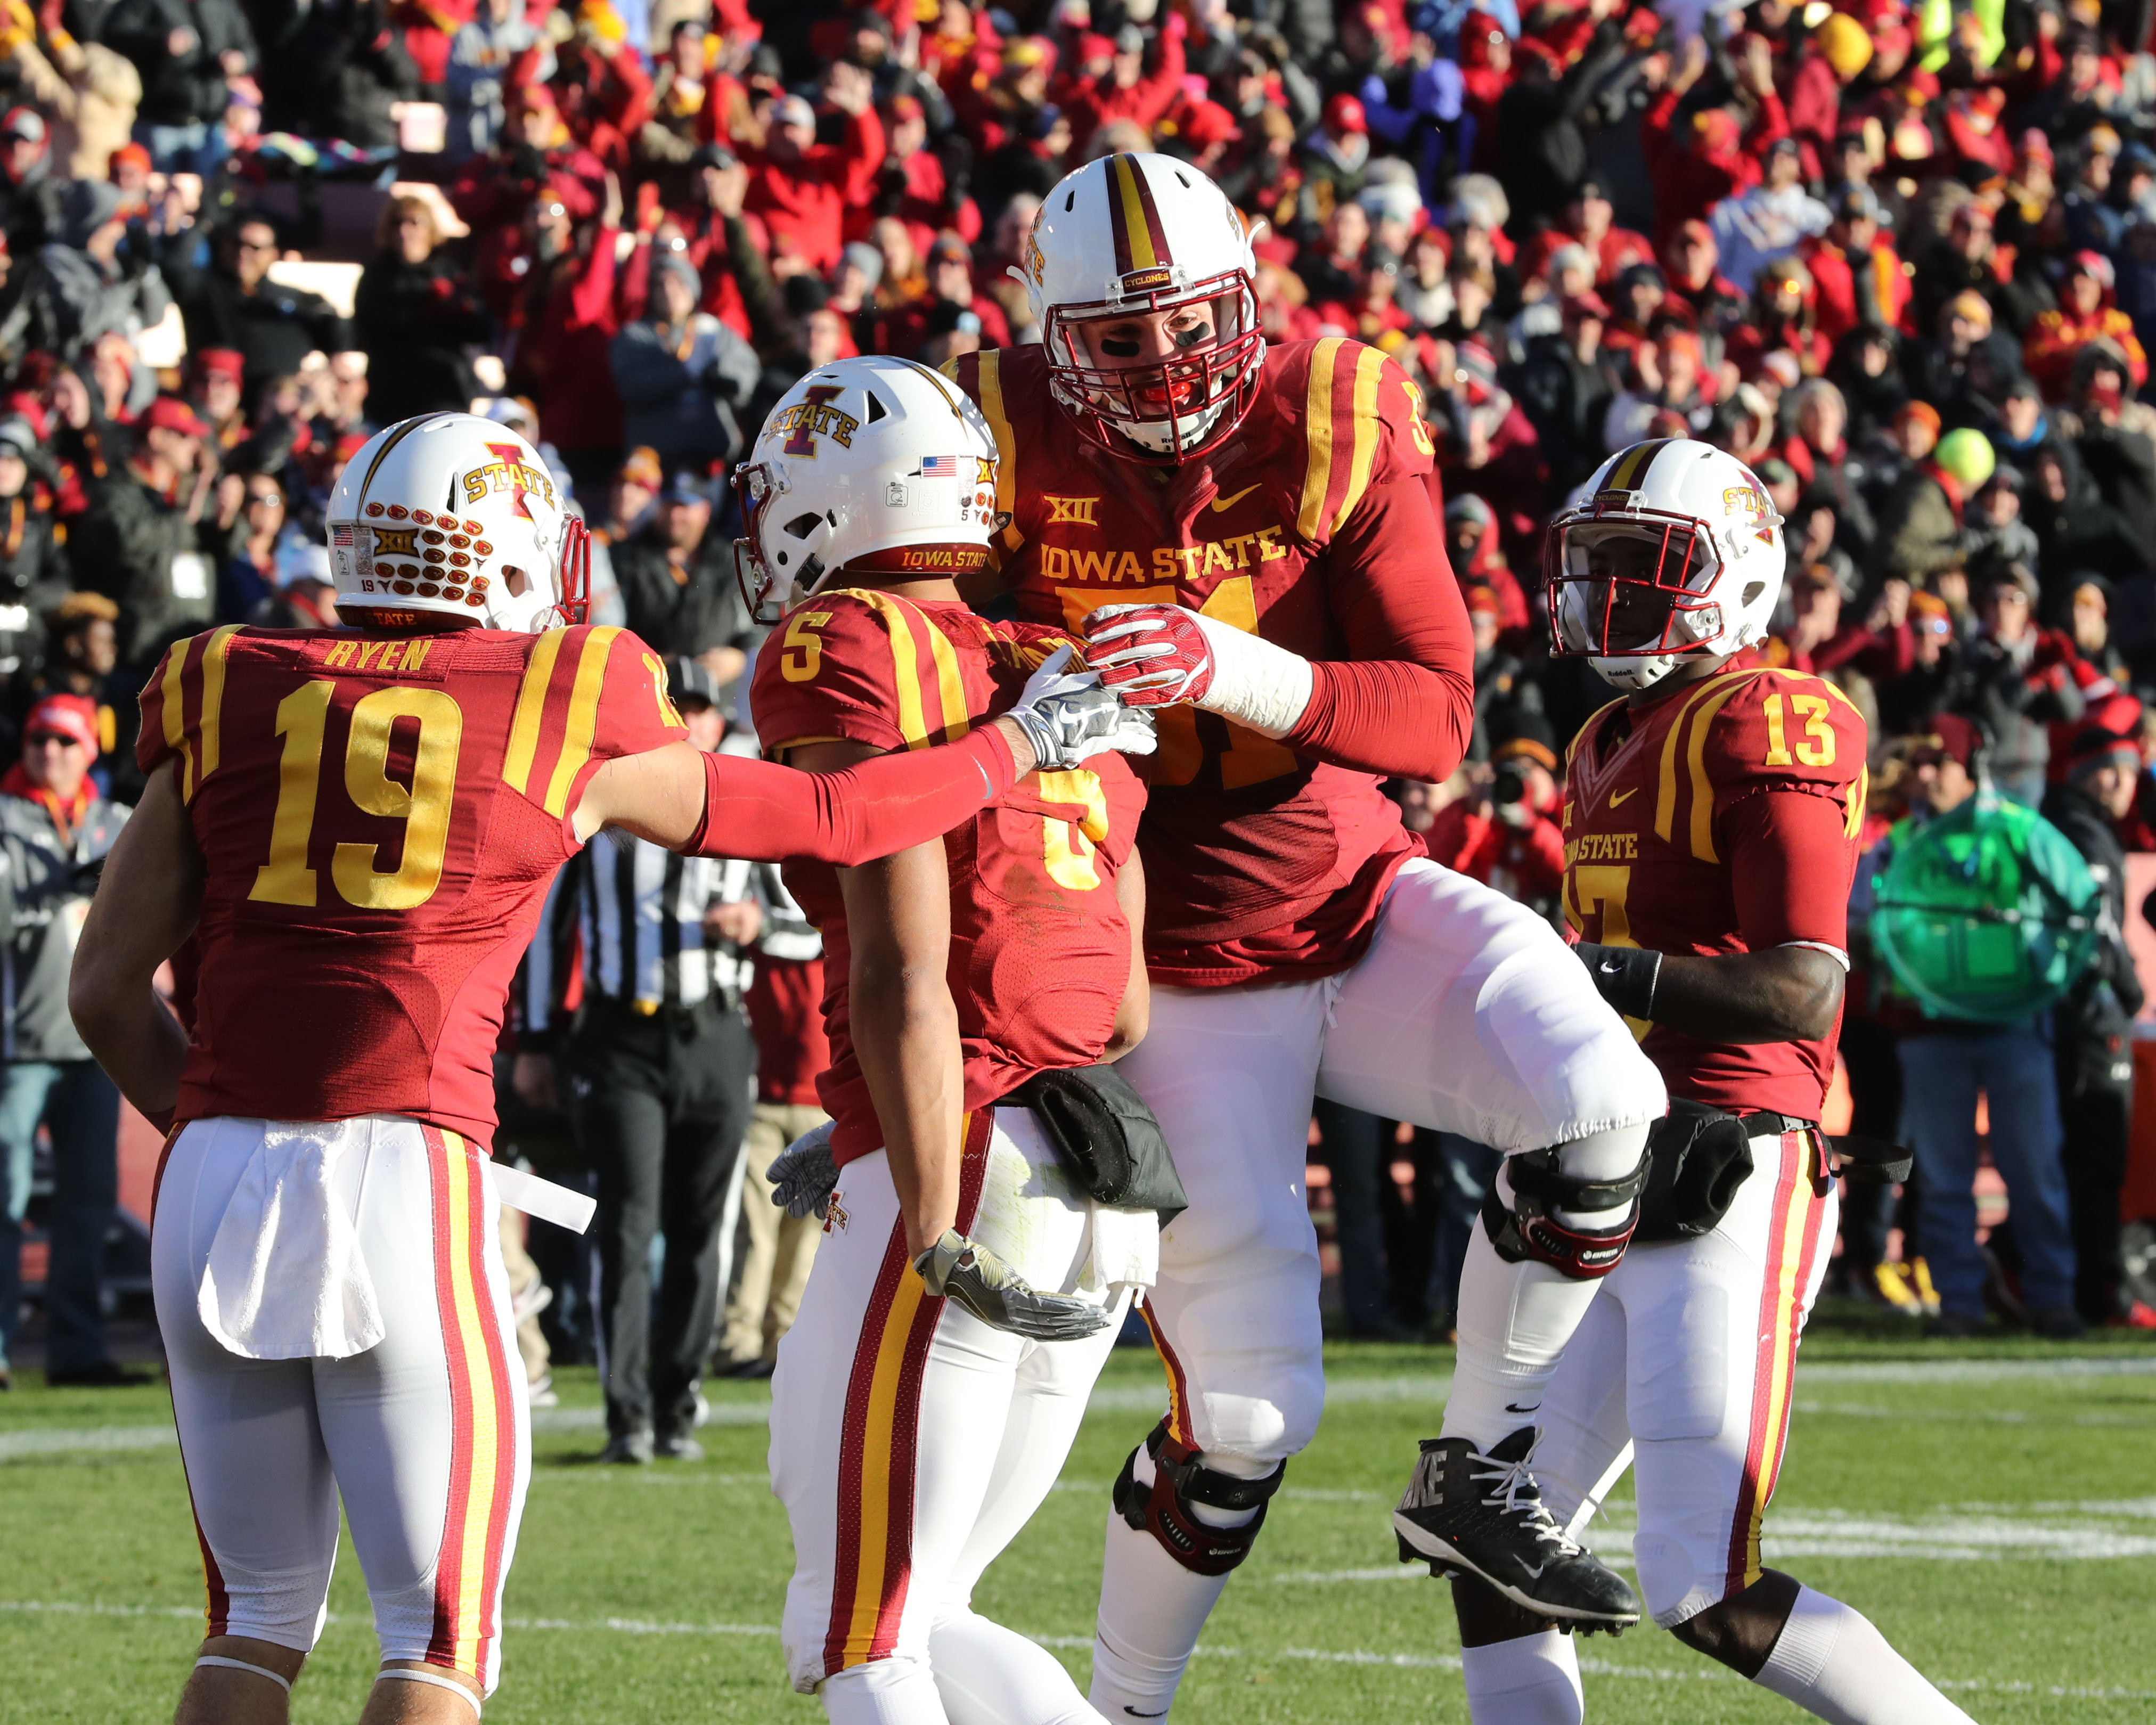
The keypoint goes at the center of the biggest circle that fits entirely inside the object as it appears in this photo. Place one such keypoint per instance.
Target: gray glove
(956, 1268)
(1069, 717)
(803, 1174)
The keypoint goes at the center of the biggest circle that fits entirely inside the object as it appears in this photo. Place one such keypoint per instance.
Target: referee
(662, 1075)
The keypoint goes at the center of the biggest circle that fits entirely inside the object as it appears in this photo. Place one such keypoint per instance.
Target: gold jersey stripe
(1317, 431)
(1369, 367)
(583, 718)
(905, 665)
(530, 710)
(991, 377)
(1666, 796)
(172, 698)
(213, 699)
(1703, 792)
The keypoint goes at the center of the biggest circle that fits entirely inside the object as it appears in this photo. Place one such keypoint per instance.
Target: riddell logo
(1078, 509)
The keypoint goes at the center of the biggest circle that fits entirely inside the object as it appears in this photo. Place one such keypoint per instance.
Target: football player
(1710, 824)
(358, 828)
(1268, 510)
(960, 1304)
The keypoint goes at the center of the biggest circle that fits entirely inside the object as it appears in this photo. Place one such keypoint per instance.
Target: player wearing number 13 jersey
(358, 829)
(1711, 826)
(1268, 510)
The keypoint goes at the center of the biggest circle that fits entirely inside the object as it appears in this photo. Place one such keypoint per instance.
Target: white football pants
(1685, 1364)
(1468, 1014)
(425, 1435)
(910, 1441)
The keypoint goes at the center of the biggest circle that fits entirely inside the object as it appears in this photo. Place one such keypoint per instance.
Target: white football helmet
(1131, 235)
(876, 464)
(1674, 551)
(454, 514)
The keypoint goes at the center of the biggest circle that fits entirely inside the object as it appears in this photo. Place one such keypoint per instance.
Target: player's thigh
(1052, 1384)
(1713, 1326)
(1229, 1073)
(1586, 1432)
(1468, 1014)
(428, 1431)
(887, 1409)
(263, 1497)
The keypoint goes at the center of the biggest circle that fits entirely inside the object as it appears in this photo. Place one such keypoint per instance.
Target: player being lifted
(1711, 828)
(1268, 510)
(358, 829)
(926, 1395)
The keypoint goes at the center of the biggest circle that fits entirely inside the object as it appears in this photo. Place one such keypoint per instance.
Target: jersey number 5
(302, 718)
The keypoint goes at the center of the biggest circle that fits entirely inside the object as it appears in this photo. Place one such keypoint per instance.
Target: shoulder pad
(1760, 728)
(1361, 418)
(183, 704)
(858, 666)
(588, 694)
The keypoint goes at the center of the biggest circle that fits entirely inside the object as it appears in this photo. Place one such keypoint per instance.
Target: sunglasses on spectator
(51, 739)
(255, 497)
(258, 245)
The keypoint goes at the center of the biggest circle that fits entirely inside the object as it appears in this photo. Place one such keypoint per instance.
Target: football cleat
(1466, 1513)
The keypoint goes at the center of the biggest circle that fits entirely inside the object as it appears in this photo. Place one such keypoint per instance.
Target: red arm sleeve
(591, 301)
(1791, 861)
(766, 812)
(1404, 702)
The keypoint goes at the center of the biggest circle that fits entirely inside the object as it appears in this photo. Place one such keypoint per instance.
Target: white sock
(1834, 1664)
(1532, 1680)
(883, 1691)
(989, 1675)
(1153, 1610)
(1515, 1319)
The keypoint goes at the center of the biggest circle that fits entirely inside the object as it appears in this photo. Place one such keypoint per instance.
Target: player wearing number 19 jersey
(359, 830)
(1268, 509)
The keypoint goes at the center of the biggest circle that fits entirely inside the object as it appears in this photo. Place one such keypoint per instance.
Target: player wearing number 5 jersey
(358, 829)
(1711, 828)
(1269, 511)
(969, 1288)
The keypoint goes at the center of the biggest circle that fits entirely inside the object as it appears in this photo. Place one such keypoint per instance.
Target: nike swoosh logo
(1617, 797)
(1216, 506)
(1515, 1408)
(1135, 1714)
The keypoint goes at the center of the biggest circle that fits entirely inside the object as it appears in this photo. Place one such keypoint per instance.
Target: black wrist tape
(1623, 976)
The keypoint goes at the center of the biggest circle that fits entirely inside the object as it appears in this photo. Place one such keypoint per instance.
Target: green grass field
(1989, 1504)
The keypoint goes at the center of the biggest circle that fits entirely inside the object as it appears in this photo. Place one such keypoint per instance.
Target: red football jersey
(380, 820)
(1041, 951)
(1720, 819)
(1262, 859)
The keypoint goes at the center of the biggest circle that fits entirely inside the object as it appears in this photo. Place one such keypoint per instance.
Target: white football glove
(956, 1268)
(1069, 717)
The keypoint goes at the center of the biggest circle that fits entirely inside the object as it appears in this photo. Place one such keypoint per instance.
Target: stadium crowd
(1901, 262)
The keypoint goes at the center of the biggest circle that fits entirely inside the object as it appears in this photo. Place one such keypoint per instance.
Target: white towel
(1126, 1249)
(285, 1278)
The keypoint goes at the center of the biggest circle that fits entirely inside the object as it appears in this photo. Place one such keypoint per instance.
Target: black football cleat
(1466, 1513)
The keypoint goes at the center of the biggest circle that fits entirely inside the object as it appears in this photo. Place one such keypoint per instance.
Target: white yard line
(1321, 1655)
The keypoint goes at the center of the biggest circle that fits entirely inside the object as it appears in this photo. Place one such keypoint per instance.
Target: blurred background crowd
(1902, 260)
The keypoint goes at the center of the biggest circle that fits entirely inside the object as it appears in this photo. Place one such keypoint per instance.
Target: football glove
(1155, 656)
(803, 1174)
(1069, 717)
(956, 1268)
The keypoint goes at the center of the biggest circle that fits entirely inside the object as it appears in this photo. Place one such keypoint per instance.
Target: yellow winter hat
(1846, 42)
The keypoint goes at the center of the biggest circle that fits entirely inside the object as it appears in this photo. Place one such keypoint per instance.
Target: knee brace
(1529, 1227)
(1180, 1479)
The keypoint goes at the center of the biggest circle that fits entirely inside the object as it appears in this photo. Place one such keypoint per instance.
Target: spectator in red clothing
(1589, 219)
(1477, 555)
(803, 189)
(1692, 272)
(1857, 276)
(1838, 51)
(1507, 836)
(2085, 314)
(568, 316)
(950, 282)
(1817, 641)
(1127, 90)
(1719, 155)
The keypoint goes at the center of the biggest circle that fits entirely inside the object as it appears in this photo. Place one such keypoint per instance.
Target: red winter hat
(1344, 115)
(229, 361)
(1955, 737)
(1208, 123)
(74, 716)
(168, 413)
(2092, 746)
